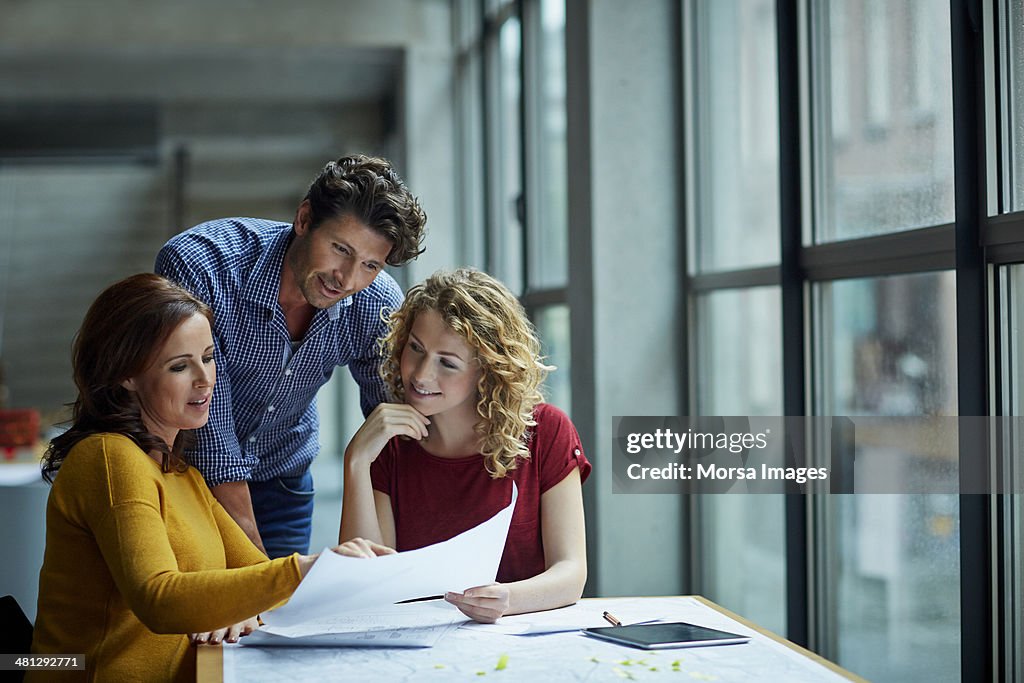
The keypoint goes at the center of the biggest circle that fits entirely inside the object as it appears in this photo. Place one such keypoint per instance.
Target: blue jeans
(284, 513)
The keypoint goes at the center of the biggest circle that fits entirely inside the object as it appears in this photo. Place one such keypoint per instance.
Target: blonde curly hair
(493, 323)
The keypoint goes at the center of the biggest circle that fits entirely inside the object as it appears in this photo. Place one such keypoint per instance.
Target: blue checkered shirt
(263, 417)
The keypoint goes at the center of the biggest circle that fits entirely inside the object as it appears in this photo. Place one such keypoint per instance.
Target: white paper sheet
(417, 624)
(582, 615)
(338, 585)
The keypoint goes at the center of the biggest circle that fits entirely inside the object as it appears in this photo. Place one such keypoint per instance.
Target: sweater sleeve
(133, 541)
(125, 519)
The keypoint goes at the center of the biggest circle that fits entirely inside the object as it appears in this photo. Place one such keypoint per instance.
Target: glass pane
(885, 116)
(889, 348)
(509, 210)
(737, 181)
(1012, 385)
(549, 260)
(742, 540)
(553, 327)
(1016, 102)
(468, 24)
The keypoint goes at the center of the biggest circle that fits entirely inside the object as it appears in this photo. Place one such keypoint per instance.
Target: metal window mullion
(791, 221)
(689, 61)
(735, 279)
(976, 565)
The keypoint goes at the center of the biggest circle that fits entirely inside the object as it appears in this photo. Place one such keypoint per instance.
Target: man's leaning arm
(235, 497)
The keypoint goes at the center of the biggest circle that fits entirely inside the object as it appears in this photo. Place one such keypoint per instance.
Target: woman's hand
(357, 547)
(231, 634)
(386, 421)
(360, 547)
(482, 603)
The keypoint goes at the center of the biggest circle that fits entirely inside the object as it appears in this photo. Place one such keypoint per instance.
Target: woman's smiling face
(439, 369)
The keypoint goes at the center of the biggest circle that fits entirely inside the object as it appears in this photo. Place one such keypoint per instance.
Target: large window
(1015, 102)
(888, 163)
(512, 120)
(839, 159)
(891, 576)
(736, 102)
(741, 538)
(859, 219)
(740, 542)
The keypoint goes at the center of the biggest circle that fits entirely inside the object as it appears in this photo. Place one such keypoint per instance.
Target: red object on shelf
(18, 429)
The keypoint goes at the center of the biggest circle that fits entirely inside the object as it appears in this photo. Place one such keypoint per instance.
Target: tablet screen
(657, 636)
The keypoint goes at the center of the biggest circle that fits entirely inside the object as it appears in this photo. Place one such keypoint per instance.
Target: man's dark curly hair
(368, 189)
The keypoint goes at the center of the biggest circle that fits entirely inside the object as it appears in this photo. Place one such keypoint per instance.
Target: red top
(434, 499)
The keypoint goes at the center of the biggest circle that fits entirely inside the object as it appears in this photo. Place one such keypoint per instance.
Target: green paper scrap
(623, 674)
(481, 673)
(502, 663)
(439, 666)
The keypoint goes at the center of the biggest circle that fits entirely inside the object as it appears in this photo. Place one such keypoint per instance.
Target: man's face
(338, 258)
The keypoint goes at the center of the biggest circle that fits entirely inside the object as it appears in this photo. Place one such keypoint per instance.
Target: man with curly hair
(291, 303)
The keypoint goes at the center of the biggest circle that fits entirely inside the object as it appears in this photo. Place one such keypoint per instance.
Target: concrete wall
(625, 265)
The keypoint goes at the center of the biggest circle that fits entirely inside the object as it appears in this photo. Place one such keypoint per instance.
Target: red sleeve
(556, 447)
(382, 469)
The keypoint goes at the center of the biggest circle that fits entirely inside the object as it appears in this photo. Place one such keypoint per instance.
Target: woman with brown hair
(138, 552)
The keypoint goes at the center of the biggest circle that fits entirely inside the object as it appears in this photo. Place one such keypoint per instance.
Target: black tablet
(663, 636)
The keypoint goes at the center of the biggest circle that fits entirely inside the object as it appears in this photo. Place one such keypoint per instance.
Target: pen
(610, 618)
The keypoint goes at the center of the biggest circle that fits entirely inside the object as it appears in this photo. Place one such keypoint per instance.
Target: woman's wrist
(305, 563)
(356, 461)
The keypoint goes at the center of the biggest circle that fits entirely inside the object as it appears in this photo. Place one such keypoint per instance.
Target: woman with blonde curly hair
(462, 362)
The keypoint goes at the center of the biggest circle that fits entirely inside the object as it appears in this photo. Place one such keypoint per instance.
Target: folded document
(340, 593)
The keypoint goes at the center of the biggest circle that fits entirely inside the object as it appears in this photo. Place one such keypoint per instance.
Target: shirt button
(252, 439)
(577, 451)
(287, 372)
(270, 409)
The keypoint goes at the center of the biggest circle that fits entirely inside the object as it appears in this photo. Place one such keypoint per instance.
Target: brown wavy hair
(124, 328)
(491, 320)
(370, 190)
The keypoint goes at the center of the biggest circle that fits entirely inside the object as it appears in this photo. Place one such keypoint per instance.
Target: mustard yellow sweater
(136, 559)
